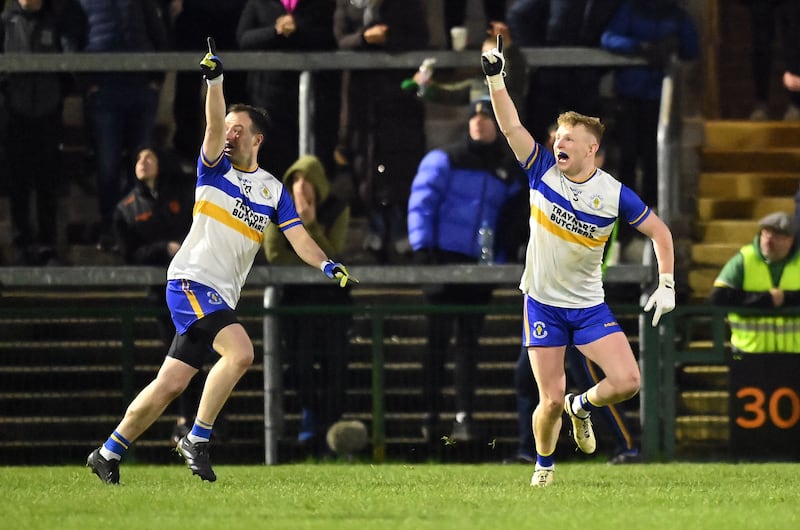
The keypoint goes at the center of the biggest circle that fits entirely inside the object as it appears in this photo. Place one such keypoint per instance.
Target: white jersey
(570, 224)
(231, 211)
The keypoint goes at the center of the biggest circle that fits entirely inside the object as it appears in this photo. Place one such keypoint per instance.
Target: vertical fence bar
(273, 406)
(127, 361)
(378, 405)
(668, 418)
(650, 398)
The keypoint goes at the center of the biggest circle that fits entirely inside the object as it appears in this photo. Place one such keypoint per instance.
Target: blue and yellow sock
(583, 405)
(545, 461)
(114, 448)
(201, 431)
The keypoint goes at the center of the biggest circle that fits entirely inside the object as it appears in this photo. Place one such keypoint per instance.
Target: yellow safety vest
(766, 334)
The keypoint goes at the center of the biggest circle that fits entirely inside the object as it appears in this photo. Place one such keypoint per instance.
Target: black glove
(211, 65)
(493, 62)
(337, 271)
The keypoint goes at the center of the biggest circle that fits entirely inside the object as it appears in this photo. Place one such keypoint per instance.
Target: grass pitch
(589, 496)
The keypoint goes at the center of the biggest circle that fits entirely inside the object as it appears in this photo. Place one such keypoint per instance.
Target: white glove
(663, 298)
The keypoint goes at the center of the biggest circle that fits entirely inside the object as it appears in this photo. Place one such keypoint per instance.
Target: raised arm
(214, 139)
(505, 112)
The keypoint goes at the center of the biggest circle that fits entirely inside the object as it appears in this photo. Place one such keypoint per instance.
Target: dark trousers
(636, 127)
(34, 167)
(122, 118)
(315, 347)
(466, 328)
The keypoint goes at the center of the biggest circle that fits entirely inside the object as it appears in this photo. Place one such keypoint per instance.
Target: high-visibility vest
(766, 334)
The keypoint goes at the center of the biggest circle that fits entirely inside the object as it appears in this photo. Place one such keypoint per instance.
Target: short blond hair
(592, 124)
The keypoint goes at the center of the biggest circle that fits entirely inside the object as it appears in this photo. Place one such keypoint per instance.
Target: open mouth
(562, 156)
(228, 148)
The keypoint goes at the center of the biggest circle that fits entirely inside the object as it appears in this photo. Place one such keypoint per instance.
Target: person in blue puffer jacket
(456, 190)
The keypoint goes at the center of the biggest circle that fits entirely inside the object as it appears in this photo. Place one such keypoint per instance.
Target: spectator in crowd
(321, 393)
(120, 107)
(764, 274)
(191, 21)
(550, 23)
(152, 220)
(235, 201)
(791, 80)
(574, 206)
(455, 14)
(383, 136)
(150, 224)
(33, 103)
(767, 16)
(292, 25)
(656, 30)
(457, 190)
(467, 90)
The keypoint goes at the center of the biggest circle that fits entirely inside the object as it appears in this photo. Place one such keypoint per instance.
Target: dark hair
(258, 115)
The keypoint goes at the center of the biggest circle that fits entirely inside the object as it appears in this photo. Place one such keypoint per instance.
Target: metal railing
(678, 347)
(270, 276)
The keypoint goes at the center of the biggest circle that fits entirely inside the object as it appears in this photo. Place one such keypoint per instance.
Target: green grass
(589, 496)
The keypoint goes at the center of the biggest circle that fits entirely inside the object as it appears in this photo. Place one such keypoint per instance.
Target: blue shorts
(546, 325)
(190, 301)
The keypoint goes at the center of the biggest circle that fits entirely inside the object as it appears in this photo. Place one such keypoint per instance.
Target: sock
(201, 431)
(545, 462)
(581, 406)
(114, 448)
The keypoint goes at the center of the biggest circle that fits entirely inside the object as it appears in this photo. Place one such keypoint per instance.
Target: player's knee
(243, 357)
(551, 406)
(629, 384)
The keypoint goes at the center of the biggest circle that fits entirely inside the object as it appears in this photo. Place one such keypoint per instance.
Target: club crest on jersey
(265, 192)
(213, 298)
(596, 202)
(539, 331)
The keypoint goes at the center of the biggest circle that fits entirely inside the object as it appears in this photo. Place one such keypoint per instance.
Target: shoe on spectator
(519, 458)
(792, 113)
(308, 427)
(759, 112)
(179, 431)
(626, 457)
(463, 431)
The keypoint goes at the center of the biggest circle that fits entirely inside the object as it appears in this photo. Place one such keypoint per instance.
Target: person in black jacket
(120, 107)
(384, 135)
(150, 223)
(303, 26)
(152, 220)
(33, 102)
(190, 22)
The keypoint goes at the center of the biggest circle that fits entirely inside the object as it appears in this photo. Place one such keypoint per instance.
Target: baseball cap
(482, 105)
(780, 222)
